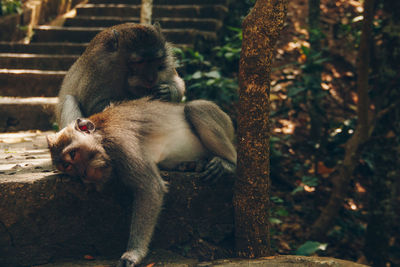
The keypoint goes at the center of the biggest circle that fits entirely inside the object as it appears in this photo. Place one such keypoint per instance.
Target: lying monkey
(129, 140)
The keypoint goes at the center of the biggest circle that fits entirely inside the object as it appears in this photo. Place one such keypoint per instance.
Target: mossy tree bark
(261, 29)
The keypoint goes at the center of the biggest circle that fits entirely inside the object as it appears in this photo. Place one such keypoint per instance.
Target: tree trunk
(261, 29)
(146, 11)
(363, 131)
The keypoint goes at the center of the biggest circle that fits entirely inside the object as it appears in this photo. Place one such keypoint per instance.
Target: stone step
(63, 34)
(36, 61)
(46, 216)
(162, 2)
(28, 83)
(21, 114)
(43, 48)
(85, 34)
(166, 23)
(98, 21)
(159, 11)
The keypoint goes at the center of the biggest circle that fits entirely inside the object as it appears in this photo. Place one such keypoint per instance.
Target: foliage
(323, 112)
(278, 210)
(212, 72)
(311, 181)
(310, 247)
(308, 84)
(10, 7)
(213, 76)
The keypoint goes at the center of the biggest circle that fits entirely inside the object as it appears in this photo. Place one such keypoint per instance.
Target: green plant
(310, 247)
(206, 77)
(10, 7)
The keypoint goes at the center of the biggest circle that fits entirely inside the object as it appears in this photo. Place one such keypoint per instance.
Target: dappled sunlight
(351, 204)
(359, 188)
(309, 189)
(288, 127)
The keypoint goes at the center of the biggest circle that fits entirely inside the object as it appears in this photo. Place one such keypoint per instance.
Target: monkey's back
(159, 128)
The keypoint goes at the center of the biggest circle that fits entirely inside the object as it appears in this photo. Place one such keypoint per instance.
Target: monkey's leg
(70, 111)
(215, 130)
(148, 198)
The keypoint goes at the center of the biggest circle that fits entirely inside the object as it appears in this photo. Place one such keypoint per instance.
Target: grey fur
(102, 75)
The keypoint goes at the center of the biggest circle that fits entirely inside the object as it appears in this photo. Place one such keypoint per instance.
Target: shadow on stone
(54, 216)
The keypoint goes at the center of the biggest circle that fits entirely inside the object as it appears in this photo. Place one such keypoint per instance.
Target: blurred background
(314, 102)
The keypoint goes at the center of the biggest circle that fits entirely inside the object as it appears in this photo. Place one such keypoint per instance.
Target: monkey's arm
(148, 191)
(172, 90)
(69, 110)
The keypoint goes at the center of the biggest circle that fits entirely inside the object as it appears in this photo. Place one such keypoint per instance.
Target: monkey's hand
(165, 92)
(131, 258)
(216, 168)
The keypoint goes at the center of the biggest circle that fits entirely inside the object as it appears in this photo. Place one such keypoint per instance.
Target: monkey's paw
(130, 258)
(215, 168)
(164, 92)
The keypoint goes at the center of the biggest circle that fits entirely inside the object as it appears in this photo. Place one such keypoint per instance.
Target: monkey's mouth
(93, 175)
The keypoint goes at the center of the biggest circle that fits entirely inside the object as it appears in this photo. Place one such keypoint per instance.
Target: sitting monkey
(127, 61)
(129, 140)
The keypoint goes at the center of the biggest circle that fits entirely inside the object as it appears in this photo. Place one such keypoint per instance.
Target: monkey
(131, 140)
(124, 62)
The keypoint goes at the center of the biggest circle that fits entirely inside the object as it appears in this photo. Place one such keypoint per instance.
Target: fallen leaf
(88, 257)
(322, 169)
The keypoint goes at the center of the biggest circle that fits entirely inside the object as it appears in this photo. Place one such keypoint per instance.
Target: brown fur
(131, 139)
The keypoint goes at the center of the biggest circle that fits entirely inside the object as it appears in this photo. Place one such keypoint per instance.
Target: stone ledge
(167, 259)
(45, 215)
(27, 113)
(30, 82)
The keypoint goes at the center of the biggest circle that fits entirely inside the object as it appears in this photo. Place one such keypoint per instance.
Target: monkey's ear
(112, 43)
(84, 125)
(157, 26)
(51, 139)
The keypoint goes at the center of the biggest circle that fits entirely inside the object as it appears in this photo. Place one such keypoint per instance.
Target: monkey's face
(75, 151)
(144, 50)
(144, 69)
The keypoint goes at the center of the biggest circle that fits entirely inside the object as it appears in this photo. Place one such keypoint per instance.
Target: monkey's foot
(130, 258)
(215, 168)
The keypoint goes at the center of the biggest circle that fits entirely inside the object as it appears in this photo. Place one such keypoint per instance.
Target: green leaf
(282, 212)
(274, 139)
(310, 247)
(197, 75)
(305, 50)
(213, 74)
(229, 55)
(297, 189)
(277, 200)
(310, 180)
(295, 90)
(275, 221)
(210, 82)
(234, 29)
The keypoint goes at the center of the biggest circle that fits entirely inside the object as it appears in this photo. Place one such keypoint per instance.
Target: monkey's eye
(66, 165)
(72, 154)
